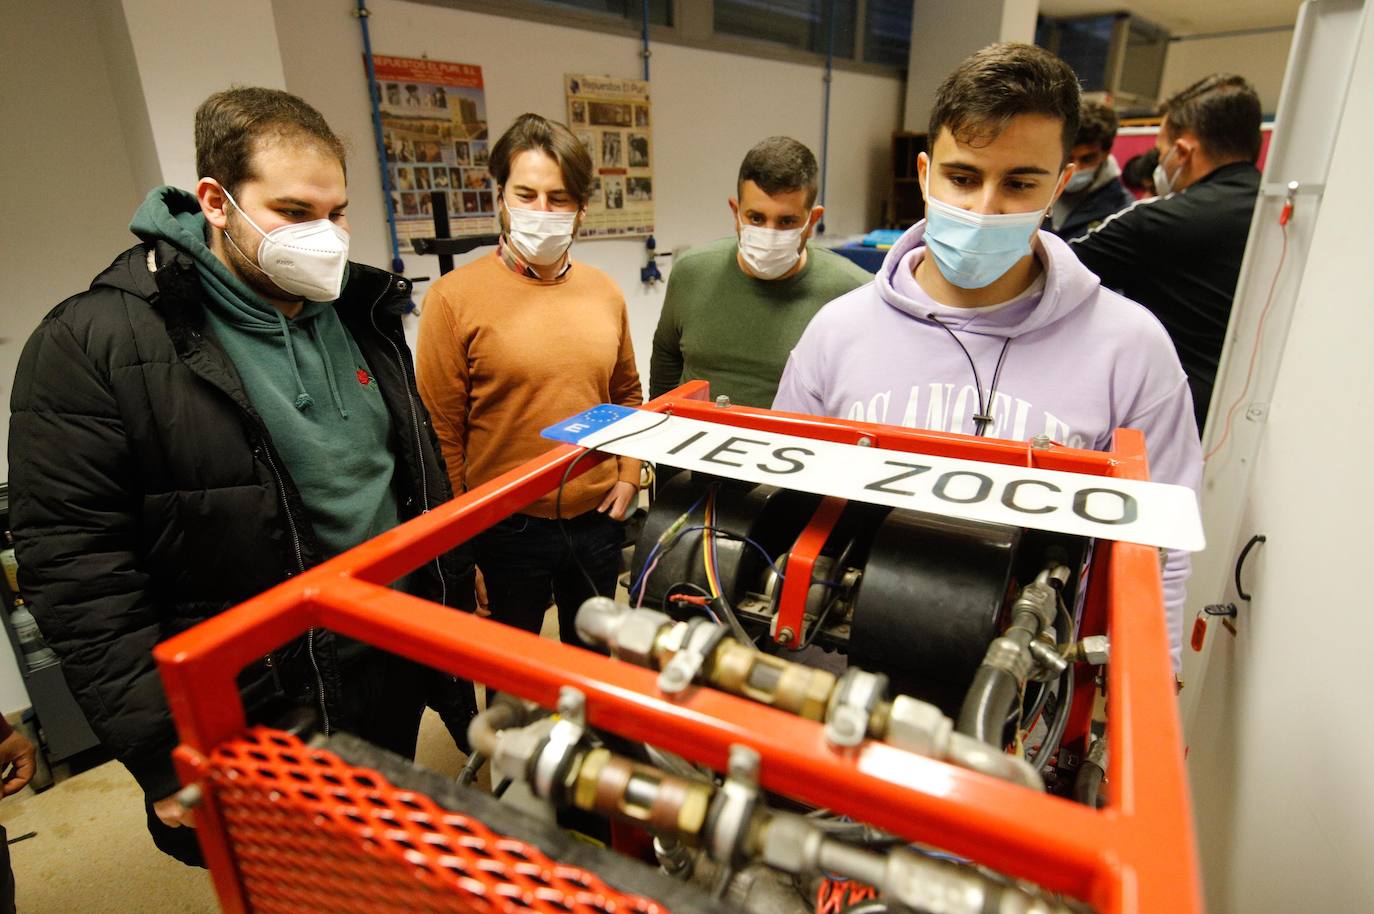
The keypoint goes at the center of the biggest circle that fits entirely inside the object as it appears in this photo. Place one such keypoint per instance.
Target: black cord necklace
(984, 416)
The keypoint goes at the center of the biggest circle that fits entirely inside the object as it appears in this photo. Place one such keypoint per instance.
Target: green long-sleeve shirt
(726, 327)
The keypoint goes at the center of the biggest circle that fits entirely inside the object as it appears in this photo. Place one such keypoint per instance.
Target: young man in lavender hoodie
(978, 323)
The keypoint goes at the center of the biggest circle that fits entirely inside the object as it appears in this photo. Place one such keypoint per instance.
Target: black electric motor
(915, 596)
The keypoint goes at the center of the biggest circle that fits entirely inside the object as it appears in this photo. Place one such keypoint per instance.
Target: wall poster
(434, 135)
(611, 118)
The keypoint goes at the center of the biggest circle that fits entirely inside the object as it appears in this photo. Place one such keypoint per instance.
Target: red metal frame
(801, 562)
(1137, 855)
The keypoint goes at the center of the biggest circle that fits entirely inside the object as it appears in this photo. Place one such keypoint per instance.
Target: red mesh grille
(311, 833)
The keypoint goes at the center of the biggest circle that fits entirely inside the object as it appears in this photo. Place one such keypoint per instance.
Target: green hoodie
(304, 376)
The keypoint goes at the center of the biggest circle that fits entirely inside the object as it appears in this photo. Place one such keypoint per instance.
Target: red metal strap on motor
(797, 577)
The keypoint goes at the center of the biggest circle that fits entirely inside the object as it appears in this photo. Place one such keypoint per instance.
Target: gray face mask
(1081, 181)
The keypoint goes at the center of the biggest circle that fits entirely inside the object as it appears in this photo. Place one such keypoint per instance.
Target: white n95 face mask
(305, 258)
(769, 253)
(541, 237)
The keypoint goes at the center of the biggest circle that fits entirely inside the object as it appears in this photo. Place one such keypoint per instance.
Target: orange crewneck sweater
(502, 356)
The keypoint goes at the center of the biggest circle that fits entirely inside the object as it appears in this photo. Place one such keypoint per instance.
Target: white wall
(1259, 58)
(708, 109)
(944, 32)
(67, 190)
(1280, 750)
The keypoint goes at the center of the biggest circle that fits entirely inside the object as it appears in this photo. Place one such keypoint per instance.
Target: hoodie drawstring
(303, 399)
(984, 416)
(329, 373)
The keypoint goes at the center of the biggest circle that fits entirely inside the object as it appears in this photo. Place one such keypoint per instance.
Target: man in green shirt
(735, 307)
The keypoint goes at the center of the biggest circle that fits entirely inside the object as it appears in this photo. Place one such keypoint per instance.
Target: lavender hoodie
(1080, 361)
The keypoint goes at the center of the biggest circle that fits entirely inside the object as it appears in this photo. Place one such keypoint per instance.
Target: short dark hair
(978, 100)
(1222, 111)
(1096, 126)
(779, 165)
(531, 131)
(229, 123)
(1138, 172)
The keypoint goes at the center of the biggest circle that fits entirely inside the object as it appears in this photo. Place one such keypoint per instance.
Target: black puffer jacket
(147, 495)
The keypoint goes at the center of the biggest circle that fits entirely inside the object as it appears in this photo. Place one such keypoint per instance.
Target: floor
(91, 853)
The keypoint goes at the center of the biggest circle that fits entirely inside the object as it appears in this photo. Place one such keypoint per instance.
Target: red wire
(1254, 351)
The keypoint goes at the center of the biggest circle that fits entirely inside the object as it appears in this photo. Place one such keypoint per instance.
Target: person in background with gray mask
(1094, 191)
(1179, 254)
(734, 308)
(516, 341)
(228, 405)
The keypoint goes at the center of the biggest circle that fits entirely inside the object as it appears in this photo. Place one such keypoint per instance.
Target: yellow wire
(709, 544)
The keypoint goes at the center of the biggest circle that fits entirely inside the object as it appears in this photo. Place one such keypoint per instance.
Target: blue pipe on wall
(397, 264)
(646, 40)
(825, 109)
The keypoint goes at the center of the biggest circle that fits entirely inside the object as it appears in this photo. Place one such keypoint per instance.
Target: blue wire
(735, 536)
(649, 559)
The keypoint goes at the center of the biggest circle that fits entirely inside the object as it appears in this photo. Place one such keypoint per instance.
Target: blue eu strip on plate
(593, 420)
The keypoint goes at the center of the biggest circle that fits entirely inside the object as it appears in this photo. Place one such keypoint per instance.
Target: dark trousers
(382, 699)
(6, 875)
(527, 563)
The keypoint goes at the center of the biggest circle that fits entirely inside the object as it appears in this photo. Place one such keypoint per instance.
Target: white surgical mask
(304, 258)
(770, 253)
(1164, 185)
(541, 237)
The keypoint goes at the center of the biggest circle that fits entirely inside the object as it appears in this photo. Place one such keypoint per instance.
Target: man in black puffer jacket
(230, 403)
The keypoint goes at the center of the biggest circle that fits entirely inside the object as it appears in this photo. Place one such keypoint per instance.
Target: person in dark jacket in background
(1179, 254)
(1094, 190)
(230, 403)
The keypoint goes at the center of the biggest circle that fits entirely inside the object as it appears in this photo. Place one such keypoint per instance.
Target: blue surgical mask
(974, 250)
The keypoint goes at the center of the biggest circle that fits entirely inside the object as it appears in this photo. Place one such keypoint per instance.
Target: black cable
(474, 764)
(832, 602)
(732, 620)
(1064, 698)
(1050, 744)
(980, 421)
(558, 499)
(501, 788)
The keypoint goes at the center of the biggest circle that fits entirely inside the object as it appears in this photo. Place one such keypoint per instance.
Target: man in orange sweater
(514, 342)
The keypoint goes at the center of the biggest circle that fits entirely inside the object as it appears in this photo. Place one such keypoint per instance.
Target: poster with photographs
(611, 118)
(434, 135)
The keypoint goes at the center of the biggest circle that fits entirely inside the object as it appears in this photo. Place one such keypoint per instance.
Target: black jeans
(382, 700)
(527, 565)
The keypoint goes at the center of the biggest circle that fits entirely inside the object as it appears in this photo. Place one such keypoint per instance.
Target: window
(887, 33)
(660, 11)
(1085, 44)
(800, 24)
(1143, 67)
